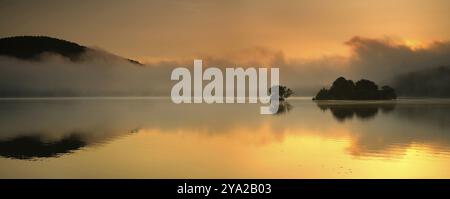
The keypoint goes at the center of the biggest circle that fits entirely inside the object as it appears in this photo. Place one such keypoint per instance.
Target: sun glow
(414, 44)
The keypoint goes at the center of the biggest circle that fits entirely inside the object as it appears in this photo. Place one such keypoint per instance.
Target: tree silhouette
(284, 92)
(343, 89)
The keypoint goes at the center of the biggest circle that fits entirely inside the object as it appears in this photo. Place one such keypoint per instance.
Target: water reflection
(425, 113)
(284, 107)
(364, 111)
(29, 147)
(390, 129)
(52, 129)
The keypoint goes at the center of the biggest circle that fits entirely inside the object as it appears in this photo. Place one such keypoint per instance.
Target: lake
(154, 138)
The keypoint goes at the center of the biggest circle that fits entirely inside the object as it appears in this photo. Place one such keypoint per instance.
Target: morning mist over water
(98, 73)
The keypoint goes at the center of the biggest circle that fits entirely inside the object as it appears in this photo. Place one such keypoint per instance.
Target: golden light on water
(294, 155)
(239, 153)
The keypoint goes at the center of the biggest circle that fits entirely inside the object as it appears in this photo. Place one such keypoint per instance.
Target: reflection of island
(51, 132)
(29, 147)
(424, 123)
(344, 111)
(410, 123)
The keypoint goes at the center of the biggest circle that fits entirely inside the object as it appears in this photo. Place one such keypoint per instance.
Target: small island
(283, 92)
(343, 89)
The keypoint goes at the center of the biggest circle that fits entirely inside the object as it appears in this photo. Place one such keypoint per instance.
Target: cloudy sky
(154, 30)
(312, 41)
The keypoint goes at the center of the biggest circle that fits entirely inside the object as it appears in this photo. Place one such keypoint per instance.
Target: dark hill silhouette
(433, 82)
(32, 47)
(343, 89)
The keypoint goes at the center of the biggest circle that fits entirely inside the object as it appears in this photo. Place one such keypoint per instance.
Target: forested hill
(432, 82)
(32, 47)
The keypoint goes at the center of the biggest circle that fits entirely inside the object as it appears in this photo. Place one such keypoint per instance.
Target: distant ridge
(431, 82)
(32, 47)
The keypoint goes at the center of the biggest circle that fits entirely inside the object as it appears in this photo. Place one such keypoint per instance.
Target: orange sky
(166, 30)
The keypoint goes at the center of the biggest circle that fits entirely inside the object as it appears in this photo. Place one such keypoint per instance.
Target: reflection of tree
(344, 111)
(28, 147)
(284, 107)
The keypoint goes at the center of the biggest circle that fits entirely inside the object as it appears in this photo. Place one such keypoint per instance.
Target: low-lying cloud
(101, 74)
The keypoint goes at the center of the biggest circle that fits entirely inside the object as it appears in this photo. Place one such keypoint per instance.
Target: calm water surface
(153, 138)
